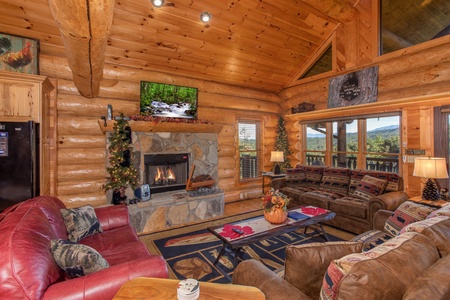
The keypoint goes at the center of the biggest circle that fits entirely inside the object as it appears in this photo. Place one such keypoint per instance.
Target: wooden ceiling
(260, 44)
(249, 43)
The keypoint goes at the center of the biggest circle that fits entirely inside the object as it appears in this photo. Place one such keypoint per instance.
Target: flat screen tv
(166, 100)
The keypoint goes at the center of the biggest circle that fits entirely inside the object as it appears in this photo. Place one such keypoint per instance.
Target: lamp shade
(430, 167)
(277, 156)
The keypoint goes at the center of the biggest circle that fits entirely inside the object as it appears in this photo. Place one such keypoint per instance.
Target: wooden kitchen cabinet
(25, 97)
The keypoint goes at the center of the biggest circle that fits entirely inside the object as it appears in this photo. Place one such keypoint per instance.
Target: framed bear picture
(19, 54)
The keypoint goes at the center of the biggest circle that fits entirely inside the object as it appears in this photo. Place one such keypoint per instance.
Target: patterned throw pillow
(75, 259)
(313, 175)
(295, 175)
(444, 211)
(80, 222)
(370, 187)
(335, 179)
(371, 239)
(408, 212)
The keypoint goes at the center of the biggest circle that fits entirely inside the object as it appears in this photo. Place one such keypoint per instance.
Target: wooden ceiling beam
(84, 27)
(343, 11)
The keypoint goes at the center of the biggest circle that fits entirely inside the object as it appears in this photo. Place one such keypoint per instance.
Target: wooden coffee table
(156, 288)
(257, 229)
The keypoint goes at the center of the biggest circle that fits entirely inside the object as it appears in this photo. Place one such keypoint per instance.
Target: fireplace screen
(166, 172)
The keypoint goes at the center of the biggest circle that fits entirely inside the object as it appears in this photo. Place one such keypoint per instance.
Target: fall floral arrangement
(273, 200)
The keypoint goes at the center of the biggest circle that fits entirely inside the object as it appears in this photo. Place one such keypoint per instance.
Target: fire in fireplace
(166, 172)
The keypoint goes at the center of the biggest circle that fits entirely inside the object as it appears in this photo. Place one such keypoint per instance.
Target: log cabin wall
(81, 169)
(411, 81)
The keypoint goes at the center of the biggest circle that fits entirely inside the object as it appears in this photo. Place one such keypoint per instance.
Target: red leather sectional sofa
(28, 270)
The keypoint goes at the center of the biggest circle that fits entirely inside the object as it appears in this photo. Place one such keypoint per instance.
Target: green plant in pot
(122, 172)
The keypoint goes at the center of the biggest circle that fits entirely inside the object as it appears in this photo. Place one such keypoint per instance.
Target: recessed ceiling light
(158, 3)
(205, 17)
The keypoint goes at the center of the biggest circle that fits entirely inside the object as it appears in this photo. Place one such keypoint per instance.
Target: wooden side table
(157, 288)
(272, 176)
(438, 203)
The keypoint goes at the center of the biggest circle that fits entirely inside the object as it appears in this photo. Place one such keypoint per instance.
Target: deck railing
(372, 163)
(249, 164)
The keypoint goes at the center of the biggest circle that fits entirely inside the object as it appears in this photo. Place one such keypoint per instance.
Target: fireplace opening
(166, 172)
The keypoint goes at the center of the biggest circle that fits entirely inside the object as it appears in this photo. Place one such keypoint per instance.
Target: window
(410, 22)
(383, 144)
(316, 143)
(249, 149)
(361, 143)
(345, 144)
(322, 65)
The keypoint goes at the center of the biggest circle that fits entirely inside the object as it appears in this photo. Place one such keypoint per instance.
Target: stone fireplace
(170, 204)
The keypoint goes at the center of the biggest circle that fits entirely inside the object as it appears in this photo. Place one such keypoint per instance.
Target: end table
(438, 203)
(272, 176)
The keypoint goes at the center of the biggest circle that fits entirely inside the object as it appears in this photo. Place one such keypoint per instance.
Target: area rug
(192, 255)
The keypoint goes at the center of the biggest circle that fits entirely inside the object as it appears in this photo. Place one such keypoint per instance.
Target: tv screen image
(166, 100)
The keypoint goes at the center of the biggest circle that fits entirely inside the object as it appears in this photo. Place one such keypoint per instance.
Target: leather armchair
(305, 266)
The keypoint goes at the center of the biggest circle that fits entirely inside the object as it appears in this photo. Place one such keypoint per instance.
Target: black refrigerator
(19, 162)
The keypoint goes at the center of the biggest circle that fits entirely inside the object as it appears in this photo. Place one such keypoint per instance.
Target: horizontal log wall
(82, 155)
(411, 81)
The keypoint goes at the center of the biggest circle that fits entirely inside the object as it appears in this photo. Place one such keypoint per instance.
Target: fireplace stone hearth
(174, 209)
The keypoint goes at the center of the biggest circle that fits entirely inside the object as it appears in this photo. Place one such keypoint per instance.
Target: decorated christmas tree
(282, 144)
(121, 171)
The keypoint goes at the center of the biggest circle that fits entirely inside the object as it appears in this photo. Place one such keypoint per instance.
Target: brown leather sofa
(29, 271)
(413, 265)
(344, 192)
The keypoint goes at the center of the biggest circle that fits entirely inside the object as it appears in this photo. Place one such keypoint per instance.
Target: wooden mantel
(143, 126)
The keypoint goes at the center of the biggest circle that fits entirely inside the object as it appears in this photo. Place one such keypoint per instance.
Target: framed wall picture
(353, 88)
(19, 54)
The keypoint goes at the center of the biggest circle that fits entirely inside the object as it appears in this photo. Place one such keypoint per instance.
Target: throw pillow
(372, 238)
(444, 211)
(75, 259)
(370, 187)
(408, 212)
(295, 175)
(80, 222)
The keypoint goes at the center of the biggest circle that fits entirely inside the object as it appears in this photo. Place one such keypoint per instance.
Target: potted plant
(122, 172)
(274, 204)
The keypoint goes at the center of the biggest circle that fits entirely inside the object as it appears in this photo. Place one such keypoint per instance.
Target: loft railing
(372, 163)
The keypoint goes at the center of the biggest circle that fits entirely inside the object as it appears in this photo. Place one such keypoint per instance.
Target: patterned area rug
(192, 255)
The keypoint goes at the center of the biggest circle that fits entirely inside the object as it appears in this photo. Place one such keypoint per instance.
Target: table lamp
(431, 168)
(277, 157)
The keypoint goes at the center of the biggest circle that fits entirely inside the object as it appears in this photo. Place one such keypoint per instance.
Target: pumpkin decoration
(275, 204)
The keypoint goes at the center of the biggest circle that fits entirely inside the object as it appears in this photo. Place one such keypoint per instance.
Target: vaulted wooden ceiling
(259, 44)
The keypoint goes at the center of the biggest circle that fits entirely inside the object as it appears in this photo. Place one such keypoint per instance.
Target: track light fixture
(205, 17)
(158, 3)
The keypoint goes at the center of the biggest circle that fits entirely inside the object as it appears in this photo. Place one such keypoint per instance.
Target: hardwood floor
(242, 206)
